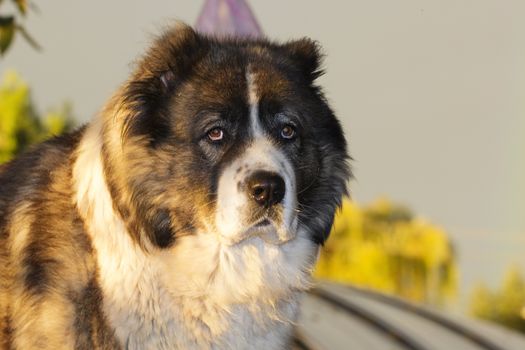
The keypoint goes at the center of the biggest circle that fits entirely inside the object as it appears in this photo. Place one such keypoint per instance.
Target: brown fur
(49, 297)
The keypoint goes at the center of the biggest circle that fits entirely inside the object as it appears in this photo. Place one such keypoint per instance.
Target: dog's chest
(167, 301)
(152, 307)
(148, 317)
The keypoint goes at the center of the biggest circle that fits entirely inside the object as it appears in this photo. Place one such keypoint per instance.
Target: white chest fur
(198, 294)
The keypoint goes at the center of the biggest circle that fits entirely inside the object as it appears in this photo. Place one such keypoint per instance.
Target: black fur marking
(90, 324)
(161, 229)
(6, 335)
(37, 268)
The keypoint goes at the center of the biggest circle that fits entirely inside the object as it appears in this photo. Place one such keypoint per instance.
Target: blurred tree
(482, 302)
(384, 247)
(11, 24)
(504, 306)
(20, 124)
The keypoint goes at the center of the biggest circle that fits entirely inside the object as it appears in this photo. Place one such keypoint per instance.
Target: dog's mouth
(275, 225)
(268, 230)
(265, 229)
(262, 223)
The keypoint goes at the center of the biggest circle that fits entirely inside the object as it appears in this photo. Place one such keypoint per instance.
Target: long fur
(138, 232)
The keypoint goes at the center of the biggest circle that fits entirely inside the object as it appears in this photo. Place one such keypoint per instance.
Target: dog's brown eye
(216, 134)
(288, 132)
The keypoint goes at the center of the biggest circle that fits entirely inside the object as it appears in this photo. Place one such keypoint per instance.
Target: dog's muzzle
(256, 198)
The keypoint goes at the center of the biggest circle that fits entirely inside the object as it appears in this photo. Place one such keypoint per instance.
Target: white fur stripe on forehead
(253, 100)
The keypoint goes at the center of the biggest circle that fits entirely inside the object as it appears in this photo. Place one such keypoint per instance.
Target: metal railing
(379, 323)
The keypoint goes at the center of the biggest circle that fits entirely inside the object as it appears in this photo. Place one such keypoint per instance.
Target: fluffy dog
(187, 215)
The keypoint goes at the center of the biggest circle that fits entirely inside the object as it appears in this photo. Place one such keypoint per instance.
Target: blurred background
(431, 95)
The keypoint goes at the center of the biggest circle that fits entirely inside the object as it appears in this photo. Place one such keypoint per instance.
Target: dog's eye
(288, 132)
(216, 134)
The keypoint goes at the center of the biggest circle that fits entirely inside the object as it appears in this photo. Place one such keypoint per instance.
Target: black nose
(266, 188)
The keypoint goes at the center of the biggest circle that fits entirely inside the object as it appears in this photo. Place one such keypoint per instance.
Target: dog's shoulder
(32, 166)
(47, 270)
(30, 181)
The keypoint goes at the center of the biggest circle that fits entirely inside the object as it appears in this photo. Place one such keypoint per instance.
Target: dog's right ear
(171, 56)
(167, 63)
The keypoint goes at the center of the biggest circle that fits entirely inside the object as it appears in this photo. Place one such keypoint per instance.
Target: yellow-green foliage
(20, 125)
(506, 305)
(384, 247)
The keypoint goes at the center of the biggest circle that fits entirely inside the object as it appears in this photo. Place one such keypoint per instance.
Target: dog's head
(232, 138)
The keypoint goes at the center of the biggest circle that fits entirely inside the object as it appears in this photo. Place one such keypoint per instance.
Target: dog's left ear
(306, 54)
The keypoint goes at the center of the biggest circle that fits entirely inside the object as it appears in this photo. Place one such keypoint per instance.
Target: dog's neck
(196, 294)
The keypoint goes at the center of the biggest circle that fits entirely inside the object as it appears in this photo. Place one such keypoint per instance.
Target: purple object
(228, 18)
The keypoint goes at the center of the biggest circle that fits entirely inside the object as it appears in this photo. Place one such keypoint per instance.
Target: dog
(187, 215)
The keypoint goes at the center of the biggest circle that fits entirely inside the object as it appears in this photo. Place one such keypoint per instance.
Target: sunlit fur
(138, 232)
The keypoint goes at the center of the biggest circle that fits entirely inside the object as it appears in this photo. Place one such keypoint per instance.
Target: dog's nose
(266, 188)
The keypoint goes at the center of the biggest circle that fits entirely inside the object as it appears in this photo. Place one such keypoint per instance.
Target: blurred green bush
(20, 123)
(506, 305)
(384, 247)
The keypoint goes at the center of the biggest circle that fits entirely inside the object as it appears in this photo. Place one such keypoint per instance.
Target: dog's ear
(306, 54)
(167, 63)
(171, 56)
